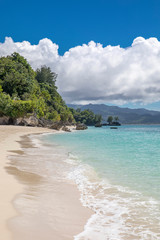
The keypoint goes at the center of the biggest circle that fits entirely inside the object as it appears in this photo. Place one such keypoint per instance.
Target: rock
(116, 124)
(31, 121)
(45, 123)
(67, 123)
(66, 129)
(98, 125)
(41, 123)
(4, 120)
(19, 122)
(56, 125)
(113, 127)
(81, 126)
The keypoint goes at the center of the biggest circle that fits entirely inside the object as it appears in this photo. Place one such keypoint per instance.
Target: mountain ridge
(126, 115)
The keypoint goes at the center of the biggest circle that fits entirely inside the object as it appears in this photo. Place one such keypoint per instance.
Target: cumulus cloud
(93, 73)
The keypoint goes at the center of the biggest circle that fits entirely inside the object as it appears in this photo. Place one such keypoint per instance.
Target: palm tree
(116, 119)
(110, 119)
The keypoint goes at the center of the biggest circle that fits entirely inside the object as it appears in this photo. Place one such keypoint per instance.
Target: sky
(103, 51)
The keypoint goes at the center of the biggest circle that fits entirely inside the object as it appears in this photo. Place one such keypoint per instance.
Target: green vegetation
(116, 119)
(86, 116)
(24, 91)
(111, 122)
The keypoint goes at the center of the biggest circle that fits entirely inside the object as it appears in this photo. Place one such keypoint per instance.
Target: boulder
(98, 125)
(56, 125)
(81, 126)
(4, 120)
(19, 122)
(116, 124)
(31, 121)
(41, 123)
(66, 129)
(45, 122)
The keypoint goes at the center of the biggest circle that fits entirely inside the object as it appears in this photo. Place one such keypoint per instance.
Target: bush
(19, 108)
(5, 101)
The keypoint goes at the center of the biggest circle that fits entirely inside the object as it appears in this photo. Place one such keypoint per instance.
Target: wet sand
(67, 215)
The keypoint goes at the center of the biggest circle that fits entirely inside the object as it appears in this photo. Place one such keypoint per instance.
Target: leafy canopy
(17, 78)
(86, 116)
(24, 91)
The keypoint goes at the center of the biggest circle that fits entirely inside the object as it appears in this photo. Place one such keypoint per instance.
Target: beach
(48, 178)
(68, 216)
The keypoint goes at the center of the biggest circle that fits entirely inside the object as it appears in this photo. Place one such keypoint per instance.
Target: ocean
(117, 172)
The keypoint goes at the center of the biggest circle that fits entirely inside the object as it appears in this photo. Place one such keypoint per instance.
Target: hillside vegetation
(86, 116)
(24, 92)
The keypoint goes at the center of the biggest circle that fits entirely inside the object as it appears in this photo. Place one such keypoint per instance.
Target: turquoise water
(129, 156)
(125, 179)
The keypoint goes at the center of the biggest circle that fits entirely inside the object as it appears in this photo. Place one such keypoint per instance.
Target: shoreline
(10, 144)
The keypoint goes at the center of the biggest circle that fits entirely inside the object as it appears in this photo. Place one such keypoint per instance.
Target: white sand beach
(67, 208)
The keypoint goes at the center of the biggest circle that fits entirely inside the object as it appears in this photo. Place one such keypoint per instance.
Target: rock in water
(66, 129)
(98, 125)
(81, 126)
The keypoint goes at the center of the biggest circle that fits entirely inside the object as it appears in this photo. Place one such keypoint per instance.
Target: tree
(98, 118)
(45, 75)
(17, 78)
(5, 101)
(109, 120)
(24, 91)
(86, 116)
(116, 119)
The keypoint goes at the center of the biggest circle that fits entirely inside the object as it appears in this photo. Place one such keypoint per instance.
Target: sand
(71, 215)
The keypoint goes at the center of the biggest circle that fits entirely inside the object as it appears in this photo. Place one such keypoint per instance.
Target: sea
(117, 172)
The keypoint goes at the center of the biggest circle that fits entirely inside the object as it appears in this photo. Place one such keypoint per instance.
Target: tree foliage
(45, 75)
(25, 91)
(86, 116)
(113, 120)
(116, 119)
(110, 119)
(16, 76)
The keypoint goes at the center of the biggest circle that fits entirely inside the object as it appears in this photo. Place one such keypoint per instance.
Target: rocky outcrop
(35, 122)
(66, 129)
(31, 121)
(81, 126)
(18, 122)
(4, 120)
(56, 125)
(45, 123)
(98, 125)
(111, 124)
(116, 124)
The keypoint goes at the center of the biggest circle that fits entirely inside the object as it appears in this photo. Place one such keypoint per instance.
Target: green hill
(25, 92)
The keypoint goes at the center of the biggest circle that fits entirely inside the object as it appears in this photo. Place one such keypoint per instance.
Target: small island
(111, 121)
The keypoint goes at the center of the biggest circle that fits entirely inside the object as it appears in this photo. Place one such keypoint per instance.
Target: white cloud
(93, 73)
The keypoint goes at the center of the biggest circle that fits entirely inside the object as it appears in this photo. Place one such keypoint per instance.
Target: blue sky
(72, 23)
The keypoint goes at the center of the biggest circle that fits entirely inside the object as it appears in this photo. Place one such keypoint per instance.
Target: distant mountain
(126, 115)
